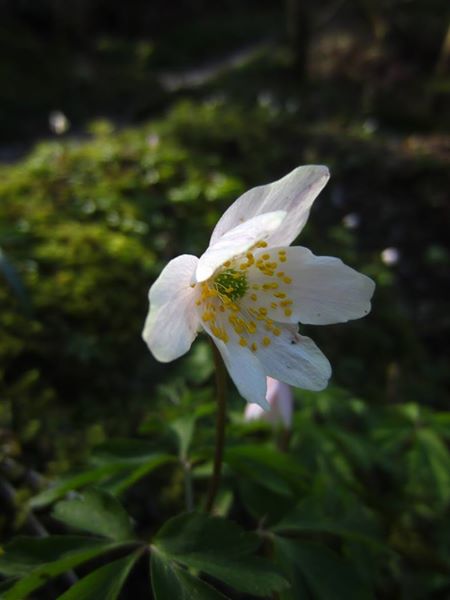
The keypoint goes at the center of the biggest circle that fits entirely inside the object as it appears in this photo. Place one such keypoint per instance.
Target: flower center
(231, 284)
(233, 301)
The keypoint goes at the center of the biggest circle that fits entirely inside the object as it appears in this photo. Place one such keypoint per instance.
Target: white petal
(172, 322)
(294, 193)
(246, 372)
(295, 359)
(236, 241)
(319, 290)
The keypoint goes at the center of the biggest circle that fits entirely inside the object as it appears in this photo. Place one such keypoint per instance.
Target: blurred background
(126, 129)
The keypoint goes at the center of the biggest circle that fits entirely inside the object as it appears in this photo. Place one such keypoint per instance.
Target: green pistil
(231, 283)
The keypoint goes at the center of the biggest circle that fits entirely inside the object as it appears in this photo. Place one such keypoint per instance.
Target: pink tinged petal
(253, 412)
(172, 322)
(246, 372)
(295, 359)
(293, 193)
(237, 241)
(280, 398)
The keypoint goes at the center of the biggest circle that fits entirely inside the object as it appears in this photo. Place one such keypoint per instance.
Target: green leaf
(320, 571)
(127, 462)
(73, 482)
(105, 583)
(184, 429)
(123, 450)
(122, 481)
(429, 465)
(221, 549)
(41, 559)
(25, 553)
(97, 512)
(195, 532)
(171, 581)
(250, 574)
(266, 466)
(311, 516)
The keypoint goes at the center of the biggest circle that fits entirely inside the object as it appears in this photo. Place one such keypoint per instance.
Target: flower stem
(221, 381)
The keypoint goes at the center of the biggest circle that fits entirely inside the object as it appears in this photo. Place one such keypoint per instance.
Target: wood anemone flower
(250, 289)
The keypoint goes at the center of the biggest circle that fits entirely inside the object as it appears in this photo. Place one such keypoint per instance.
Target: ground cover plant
(106, 454)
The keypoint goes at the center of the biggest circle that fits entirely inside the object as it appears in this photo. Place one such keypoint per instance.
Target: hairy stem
(221, 381)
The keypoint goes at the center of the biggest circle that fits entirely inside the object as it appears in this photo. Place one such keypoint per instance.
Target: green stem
(221, 380)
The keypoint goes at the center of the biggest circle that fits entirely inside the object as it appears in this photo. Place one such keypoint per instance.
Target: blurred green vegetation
(88, 221)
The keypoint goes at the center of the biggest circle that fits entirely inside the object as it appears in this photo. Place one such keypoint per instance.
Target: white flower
(280, 398)
(250, 289)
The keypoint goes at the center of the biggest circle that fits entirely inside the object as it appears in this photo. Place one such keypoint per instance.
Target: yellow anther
(276, 331)
(198, 302)
(254, 347)
(274, 305)
(272, 265)
(251, 327)
(255, 286)
(266, 341)
(243, 342)
(262, 311)
(274, 285)
(261, 244)
(254, 297)
(280, 295)
(280, 274)
(227, 263)
(267, 286)
(281, 252)
(265, 256)
(287, 280)
(282, 258)
(288, 312)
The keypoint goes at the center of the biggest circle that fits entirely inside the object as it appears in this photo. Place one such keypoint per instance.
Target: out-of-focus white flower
(390, 256)
(58, 122)
(351, 221)
(280, 399)
(250, 289)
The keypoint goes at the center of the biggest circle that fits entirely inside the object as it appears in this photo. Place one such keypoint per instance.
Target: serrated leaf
(221, 549)
(194, 532)
(97, 512)
(320, 571)
(171, 581)
(249, 574)
(105, 583)
(38, 560)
